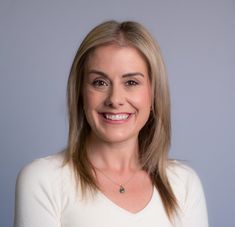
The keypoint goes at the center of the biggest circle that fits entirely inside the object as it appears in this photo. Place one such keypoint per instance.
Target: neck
(120, 156)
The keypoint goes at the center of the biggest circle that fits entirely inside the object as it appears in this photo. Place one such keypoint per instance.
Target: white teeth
(116, 117)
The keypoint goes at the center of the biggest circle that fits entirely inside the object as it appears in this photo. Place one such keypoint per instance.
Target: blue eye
(131, 83)
(99, 83)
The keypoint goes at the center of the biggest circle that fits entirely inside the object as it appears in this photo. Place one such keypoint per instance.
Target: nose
(115, 97)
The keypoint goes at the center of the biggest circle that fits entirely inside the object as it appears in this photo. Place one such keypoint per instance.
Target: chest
(100, 211)
(132, 196)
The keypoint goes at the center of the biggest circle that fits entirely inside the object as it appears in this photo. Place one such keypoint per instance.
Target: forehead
(116, 56)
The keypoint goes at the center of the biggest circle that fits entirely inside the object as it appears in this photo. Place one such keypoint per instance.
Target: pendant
(121, 189)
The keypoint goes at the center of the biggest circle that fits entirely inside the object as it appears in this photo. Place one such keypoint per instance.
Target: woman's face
(116, 93)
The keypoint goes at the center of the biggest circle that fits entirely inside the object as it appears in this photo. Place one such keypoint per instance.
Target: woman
(115, 170)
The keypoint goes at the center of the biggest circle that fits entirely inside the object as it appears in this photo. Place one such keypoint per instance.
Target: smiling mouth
(116, 117)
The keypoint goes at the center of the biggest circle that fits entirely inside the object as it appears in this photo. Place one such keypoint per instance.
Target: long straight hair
(154, 137)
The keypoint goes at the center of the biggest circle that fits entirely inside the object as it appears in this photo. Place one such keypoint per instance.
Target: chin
(117, 137)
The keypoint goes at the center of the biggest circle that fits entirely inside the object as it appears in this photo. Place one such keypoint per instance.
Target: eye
(99, 83)
(131, 83)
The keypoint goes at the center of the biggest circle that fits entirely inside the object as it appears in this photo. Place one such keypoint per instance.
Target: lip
(110, 121)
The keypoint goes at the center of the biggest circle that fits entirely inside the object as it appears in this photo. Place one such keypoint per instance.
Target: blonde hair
(154, 137)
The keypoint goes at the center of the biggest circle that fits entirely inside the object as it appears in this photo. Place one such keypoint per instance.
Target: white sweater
(46, 197)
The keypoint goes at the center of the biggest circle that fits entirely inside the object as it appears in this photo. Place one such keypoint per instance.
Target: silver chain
(121, 186)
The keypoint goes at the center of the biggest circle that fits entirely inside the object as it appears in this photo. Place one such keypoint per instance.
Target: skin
(117, 103)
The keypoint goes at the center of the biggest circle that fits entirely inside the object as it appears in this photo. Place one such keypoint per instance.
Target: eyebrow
(124, 75)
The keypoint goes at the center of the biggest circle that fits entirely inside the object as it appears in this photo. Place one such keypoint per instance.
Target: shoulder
(48, 166)
(182, 177)
(39, 196)
(42, 173)
(178, 172)
(186, 186)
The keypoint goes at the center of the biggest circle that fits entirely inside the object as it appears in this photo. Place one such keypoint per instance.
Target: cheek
(89, 105)
(88, 102)
(91, 100)
(142, 100)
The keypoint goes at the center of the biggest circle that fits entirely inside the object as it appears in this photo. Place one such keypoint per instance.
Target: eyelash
(101, 83)
(131, 83)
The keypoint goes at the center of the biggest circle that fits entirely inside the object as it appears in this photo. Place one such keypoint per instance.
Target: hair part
(154, 137)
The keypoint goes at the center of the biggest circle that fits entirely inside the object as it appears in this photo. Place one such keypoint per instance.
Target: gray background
(38, 40)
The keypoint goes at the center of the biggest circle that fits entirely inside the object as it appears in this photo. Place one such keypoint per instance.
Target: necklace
(121, 186)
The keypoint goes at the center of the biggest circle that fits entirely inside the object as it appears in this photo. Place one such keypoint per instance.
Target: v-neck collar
(124, 211)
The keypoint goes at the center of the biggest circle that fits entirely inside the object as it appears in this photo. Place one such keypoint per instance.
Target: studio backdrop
(38, 42)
